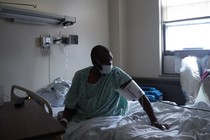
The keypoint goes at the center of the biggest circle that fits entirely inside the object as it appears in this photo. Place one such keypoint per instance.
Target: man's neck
(94, 75)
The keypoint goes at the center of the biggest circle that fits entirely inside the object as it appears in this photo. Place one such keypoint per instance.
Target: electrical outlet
(45, 41)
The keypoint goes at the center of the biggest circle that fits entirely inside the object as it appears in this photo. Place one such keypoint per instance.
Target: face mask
(106, 69)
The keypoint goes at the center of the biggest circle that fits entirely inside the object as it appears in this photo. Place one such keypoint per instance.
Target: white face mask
(106, 69)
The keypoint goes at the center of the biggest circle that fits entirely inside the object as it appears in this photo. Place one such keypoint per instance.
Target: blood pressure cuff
(152, 93)
(131, 91)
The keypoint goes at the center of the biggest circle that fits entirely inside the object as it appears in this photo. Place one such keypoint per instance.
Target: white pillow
(204, 94)
(190, 78)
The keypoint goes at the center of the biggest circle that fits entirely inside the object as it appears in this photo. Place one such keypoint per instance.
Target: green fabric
(99, 99)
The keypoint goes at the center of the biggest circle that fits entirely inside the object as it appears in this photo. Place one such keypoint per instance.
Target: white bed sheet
(184, 124)
(56, 110)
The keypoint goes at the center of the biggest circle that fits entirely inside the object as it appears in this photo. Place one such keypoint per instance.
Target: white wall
(118, 36)
(143, 38)
(21, 59)
(134, 36)
(129, 27)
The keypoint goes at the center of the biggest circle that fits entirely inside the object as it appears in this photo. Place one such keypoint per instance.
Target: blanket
(185, 123)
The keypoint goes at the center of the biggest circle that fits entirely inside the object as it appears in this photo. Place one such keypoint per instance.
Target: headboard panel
(171, 88)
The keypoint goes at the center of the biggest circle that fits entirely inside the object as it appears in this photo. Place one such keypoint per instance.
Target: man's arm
(145, 103)
(132, 91)
(67, 115)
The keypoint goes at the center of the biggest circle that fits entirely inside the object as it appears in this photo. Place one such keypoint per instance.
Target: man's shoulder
(119, 72)
(117, 69)
(84, 70)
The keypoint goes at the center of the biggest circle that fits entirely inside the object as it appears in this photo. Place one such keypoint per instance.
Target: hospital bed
(190, 120)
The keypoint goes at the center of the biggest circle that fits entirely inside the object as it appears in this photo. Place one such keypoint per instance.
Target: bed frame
(171, 88)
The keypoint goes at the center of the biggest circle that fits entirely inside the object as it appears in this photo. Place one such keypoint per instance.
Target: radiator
(171, 88)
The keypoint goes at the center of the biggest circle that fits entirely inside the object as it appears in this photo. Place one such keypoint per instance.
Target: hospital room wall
(21, 59)
(144, 46)
(128, 27)
(135, 37)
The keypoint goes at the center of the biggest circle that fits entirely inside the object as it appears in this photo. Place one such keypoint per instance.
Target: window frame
(168, 57)
(166, 52)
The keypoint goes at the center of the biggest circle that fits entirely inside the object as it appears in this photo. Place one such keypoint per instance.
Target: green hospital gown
(99, 99)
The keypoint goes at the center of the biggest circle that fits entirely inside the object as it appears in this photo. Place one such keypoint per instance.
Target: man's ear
(97, 64)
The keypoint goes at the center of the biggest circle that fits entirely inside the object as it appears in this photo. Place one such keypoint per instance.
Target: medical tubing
(185, 107)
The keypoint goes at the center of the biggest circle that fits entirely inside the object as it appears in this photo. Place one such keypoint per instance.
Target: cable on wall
(49, 71)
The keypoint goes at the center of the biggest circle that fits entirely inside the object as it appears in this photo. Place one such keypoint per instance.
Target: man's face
(106, 58)
(104, 62)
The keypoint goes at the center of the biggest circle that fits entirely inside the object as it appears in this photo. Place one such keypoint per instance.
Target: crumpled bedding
(187, 124)
(55, 92)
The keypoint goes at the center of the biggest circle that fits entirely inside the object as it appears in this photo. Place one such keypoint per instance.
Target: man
(93, 91)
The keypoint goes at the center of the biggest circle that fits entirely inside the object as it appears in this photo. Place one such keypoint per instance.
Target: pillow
(203, 94)
(55, 92)
(190, 77)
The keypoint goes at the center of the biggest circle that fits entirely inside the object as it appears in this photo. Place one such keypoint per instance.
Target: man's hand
(64, 122)
(160, 126)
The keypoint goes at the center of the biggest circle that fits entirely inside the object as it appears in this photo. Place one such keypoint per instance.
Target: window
(186, 27)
